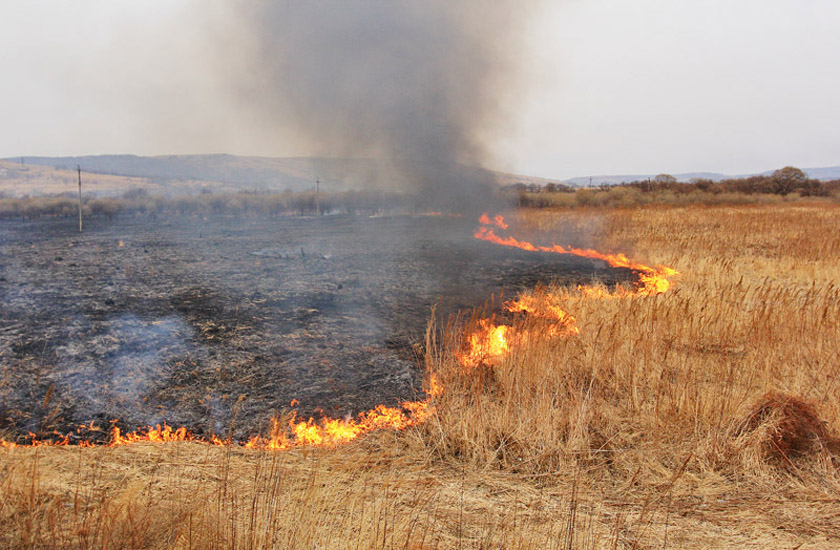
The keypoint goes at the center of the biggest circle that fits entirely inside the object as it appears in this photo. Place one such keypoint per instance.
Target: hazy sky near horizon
(602, 87)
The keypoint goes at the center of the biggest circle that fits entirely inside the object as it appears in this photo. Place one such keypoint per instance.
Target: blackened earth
(217, 324)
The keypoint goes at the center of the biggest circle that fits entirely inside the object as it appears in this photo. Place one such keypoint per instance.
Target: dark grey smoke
(420, 84)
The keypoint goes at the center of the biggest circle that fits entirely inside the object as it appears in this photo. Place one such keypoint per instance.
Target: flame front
(652, 280)
(486, 344)
(158, 434)
(331, 431)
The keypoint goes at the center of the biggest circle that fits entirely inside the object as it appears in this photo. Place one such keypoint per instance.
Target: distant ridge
(176, 174)
(232, 172)
(246, 173)
(823, 174)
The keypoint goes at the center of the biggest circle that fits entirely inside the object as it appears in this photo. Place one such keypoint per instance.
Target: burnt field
(219, 324)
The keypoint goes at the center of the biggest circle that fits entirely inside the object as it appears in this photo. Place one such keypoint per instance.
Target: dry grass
(18, 180)
(378, 494)
(137, 202)
(704, 417)
(629, 197)
(724, 390)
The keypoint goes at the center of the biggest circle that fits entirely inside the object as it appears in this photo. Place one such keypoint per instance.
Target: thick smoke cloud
(421, 85)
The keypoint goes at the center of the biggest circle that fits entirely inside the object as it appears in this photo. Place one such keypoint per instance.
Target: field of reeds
(704, 417)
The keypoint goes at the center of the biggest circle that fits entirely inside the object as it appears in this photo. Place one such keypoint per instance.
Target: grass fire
(401, 275)
(624, 409)
(485, 343)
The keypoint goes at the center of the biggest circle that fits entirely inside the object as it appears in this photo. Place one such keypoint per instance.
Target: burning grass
(705, 416)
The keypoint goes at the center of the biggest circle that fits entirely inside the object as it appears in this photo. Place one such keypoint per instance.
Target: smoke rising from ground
(420, 85)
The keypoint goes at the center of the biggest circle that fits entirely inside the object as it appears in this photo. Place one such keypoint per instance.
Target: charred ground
(217, 324)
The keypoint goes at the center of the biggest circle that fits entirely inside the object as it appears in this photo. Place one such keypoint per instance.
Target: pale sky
(607, 86)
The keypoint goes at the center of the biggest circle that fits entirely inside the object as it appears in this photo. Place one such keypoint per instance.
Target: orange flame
(331, 431)
(166, 434)
(540, 306)
(498, 221)
(485, 344)
(489, 342)
(652, 280)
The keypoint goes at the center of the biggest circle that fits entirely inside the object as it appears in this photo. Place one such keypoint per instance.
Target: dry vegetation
(138, 202)
(625, 196)
(786, 184)
(119, 195)
(18, 180)
(705, 417)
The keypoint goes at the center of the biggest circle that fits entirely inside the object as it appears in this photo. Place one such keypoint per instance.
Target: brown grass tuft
(786, 428)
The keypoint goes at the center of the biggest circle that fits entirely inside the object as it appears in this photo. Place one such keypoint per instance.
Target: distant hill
(221, 172)
(824, 174)
(244, 173)
(109, 175)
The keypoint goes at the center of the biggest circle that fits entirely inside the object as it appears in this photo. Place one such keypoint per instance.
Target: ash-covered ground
(218, 324)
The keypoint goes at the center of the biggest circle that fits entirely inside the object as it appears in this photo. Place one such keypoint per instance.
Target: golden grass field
(705, 417)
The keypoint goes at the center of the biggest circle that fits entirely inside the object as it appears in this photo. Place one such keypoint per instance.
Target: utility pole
(318, 196)
(79, 170)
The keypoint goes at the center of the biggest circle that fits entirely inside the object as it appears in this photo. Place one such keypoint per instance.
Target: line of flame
(324, 432)
(652, 280)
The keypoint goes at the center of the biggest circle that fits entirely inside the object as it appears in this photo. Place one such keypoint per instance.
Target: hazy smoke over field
(422, 85)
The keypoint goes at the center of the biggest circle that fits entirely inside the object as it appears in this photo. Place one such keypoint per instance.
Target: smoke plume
(422, 86)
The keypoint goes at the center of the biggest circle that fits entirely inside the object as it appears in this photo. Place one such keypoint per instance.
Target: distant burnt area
(218, 324)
